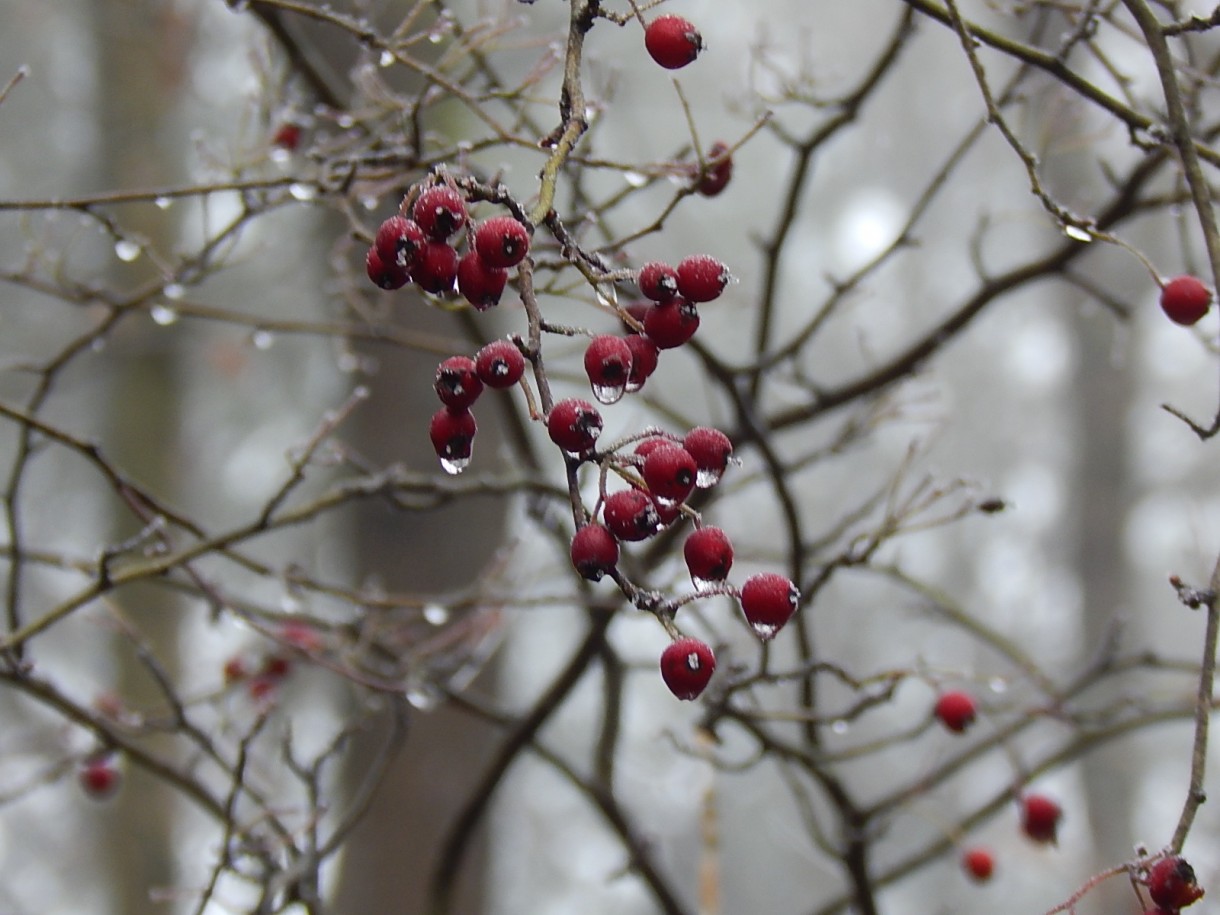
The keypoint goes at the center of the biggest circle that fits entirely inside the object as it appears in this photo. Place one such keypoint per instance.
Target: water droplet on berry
(765, 631)
(163, 315)
(127, 250)
(608, 393)
(454, 465)
(436, 614)
(262, 339)
(706, 478)
(301, 191)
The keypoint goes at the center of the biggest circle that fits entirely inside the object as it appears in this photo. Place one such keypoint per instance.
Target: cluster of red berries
(418, 248)
(1185, 300)
(459, 382)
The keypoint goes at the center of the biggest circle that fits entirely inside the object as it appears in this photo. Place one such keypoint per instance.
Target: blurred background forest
(214, 453)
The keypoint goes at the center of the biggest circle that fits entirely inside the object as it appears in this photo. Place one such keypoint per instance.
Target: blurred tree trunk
(141, 48)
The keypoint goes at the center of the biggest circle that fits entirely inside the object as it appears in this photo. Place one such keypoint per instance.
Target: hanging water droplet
(262, 339)
(174, 291)
(423, 697)
(454, 465)
(163, 203)
(1078, 234)
(703, 584)
(302, 191)
(765, 631)
(386, 59)
(127, 250)
(163, 315)
(608, 393)
(279, 155)
(436, 614)
(635, 179)
(840, 726)
(998, 685)
(370, 203)
(633, 386)
(707, 477)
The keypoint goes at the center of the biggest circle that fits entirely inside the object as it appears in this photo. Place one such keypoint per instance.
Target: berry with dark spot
(457, 382)
(435, 268)
(630, 515)
(1040, 818)
(768, 600)
(499, 364)
(672, 323)
(672, 41)
(709, 554)
(669, 470)
(719, 170)
(384, 275)
(686, 667)
(657, 281)
(502, 242)
(956, 710)
(440, 211)
(479, 284)
(594, 551)
(574, 425)
(701, 278)
(1172, 884)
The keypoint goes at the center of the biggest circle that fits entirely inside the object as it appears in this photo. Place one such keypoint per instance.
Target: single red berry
(594, 551)
(276, 666)
(435, 268)
(686, 667)
(702, 278)
(670, 324)
(500, 364)
(440, 211)
(479, 284)
(235, 669)
(956, 710)
(383, 275)
(574, 425)
(452, 433)
(630, 515)
(1040, 818)
(502, 242)
(768, 600)
(672, 41)
(608, 365)
(99, 777)
(709, 554)
(1172, 884)
(457, 382)
(287, 136)
(719, 170)
(711, 450)
(669, 470)
(644, 359)
(399, 241)
(657, 281)
(1185, 299)
(978, 863)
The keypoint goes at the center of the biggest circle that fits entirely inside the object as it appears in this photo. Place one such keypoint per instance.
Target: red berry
(644, 359)
(978, 863)
(502, 242)
(768, 600)
(383, 275)
(709, 554)
(235, 669)
(719, 170)
(479, 284)
(452, 433)
(574, 425)
(99, 777)
(672, 41)
(657, 281)
(1040, 818)
(440, 211)
(457, 382)
(669, 470)
(686, 667)
(399, 241)
(955, 710)
(1172, 884)
(594, 551)
(287, 136)
(500, 364)
(630, 515)
(608, 365)
(435, 268)
(648, 446)
(1185, 299)
(711, 450)
(636, 310)
(702, 278)
(670, 324)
